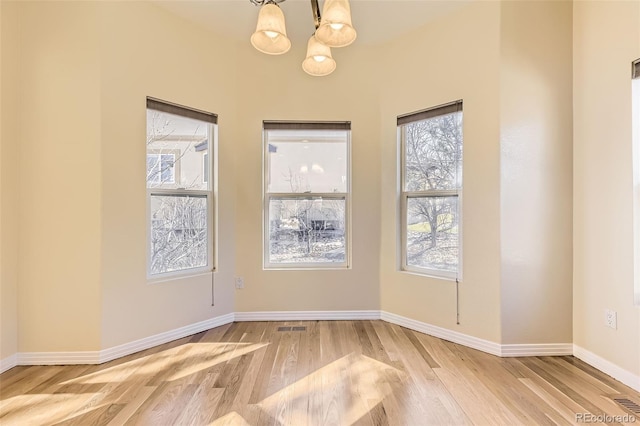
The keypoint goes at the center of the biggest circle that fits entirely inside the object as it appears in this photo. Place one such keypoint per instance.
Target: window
(635, 120)
(431, 188)
(180, 194)
(307, 190)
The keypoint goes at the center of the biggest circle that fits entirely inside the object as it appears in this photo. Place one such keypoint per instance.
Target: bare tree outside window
(306, 230)
(178, 232)
(432, 182)
(306, 197)
(178, 193)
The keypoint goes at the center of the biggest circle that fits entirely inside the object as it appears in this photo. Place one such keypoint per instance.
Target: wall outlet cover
(239, 282)
(611, 319)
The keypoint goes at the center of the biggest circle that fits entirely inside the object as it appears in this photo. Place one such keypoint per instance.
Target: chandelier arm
(263, 2)
(315, 8)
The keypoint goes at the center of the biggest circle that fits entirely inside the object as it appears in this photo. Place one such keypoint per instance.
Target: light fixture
(318, 61)
(271, 35)
(334, 30)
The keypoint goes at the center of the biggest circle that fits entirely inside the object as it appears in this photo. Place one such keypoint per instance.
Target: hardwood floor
(332, 373)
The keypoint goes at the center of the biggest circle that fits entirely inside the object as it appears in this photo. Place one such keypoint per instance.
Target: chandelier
(332, 29)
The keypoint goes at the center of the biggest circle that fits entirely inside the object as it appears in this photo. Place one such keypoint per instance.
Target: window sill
(180, 275)
(432, 274)
(307, 267)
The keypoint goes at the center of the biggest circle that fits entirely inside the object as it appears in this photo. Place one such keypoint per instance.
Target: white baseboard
(542, 349)
(159, 339)
(443, 333)
(8, 363)
(607, 367)
(98, 357)
(307, 315)
(59, 358)
(537, 349)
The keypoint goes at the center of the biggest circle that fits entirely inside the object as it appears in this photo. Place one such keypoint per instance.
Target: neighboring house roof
(202, 146)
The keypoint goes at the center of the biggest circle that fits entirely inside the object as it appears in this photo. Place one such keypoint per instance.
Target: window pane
(307, 230)
(433, 153)
(176, 148)
(178, 232)
(432, 233)
(307, 161)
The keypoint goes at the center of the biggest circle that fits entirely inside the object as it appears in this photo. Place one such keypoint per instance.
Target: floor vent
(290, 328)
(629, 405)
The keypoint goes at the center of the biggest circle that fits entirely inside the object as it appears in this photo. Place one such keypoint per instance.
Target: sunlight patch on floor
(204, 355)
(344, 391)
(39, 409)
(208, 362)
(230, 419)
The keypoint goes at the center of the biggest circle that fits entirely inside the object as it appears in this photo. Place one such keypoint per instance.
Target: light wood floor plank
(557, 407)
(127, 411)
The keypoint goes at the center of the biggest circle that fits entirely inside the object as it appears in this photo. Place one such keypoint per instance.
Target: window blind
(183, 111)
(449, 108)
(305, 125)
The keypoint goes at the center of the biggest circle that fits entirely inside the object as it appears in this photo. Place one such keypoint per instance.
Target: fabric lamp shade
(318, 61)
(271, 35)
(335, 28)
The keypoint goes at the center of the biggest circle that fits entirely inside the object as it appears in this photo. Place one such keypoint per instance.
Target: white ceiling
(376, 21)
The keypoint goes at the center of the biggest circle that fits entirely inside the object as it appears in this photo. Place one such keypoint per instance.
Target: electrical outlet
(611, 319)
(239, 282)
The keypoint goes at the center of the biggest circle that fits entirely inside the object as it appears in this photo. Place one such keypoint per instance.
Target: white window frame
(211, 120)
(635, 122)
(404, 196)
(268, 196)
(205, 167)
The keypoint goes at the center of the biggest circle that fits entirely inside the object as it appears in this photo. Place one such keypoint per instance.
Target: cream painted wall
(8, 181)
(59, 178)
(153, 53)
(82, 258)
(536, 171)
(606, 38)
(276, 88)
(456, 57)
